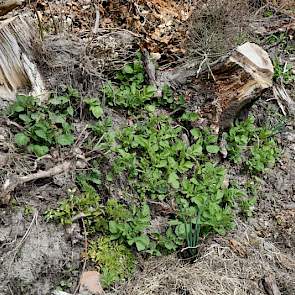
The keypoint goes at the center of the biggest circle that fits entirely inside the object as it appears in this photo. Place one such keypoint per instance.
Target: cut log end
(237, 81)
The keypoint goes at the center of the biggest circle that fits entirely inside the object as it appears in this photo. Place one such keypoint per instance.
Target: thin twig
(201, 65)
(81, 215)
(12, 123)
(97, 18)
(81, 133)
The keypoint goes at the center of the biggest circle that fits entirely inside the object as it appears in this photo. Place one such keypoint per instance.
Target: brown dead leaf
(238, 248)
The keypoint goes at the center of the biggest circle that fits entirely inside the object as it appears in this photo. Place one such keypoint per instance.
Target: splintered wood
(18, 70)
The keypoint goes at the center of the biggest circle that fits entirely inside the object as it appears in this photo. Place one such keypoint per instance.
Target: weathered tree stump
(228, 85)
(237, 80)
(18, 52)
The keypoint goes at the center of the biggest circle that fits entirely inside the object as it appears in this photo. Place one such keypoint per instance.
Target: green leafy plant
(282, 41)
(252, 146)
(131, 92)
(283, 72)
(158, 163)
(94, 107)
(129, 225)
(116, 261)
(44, 126)
(262, 156)
(192, 232)
(268, 13)
(88, 204)
(160, 166)
(247, 206)
(168, 99)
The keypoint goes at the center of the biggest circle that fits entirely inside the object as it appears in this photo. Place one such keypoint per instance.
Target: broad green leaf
(212, 149)
(38, 150)
(128, 69)
(65, 139)
(189, 117)
(142, 242)
(145, 210)
(150, 90)
(196, 133)
(170, 245)
(188, 165)
(59, 100)
(180, 230)
(18, 108)
(113, 228)
(133, 88)
(173, 180)
(97, 111)
(196, 149)
(21, 139)
(41, 133)
(36, 116)
(57, 118)
(25, 118)
(70, 110)
(73, 92)
(150, 108)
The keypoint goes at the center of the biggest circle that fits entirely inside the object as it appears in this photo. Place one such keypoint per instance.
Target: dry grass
(216, 26)
(282, 4)
(227, 266)
(84, 63)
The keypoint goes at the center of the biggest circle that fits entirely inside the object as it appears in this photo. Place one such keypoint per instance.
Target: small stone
(89, 283)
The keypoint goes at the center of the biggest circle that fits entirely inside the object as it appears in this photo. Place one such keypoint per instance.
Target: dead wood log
(229, 84)
(18, 70)
(8, 5)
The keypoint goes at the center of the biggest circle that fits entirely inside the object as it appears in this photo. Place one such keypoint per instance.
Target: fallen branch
(12, 182)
